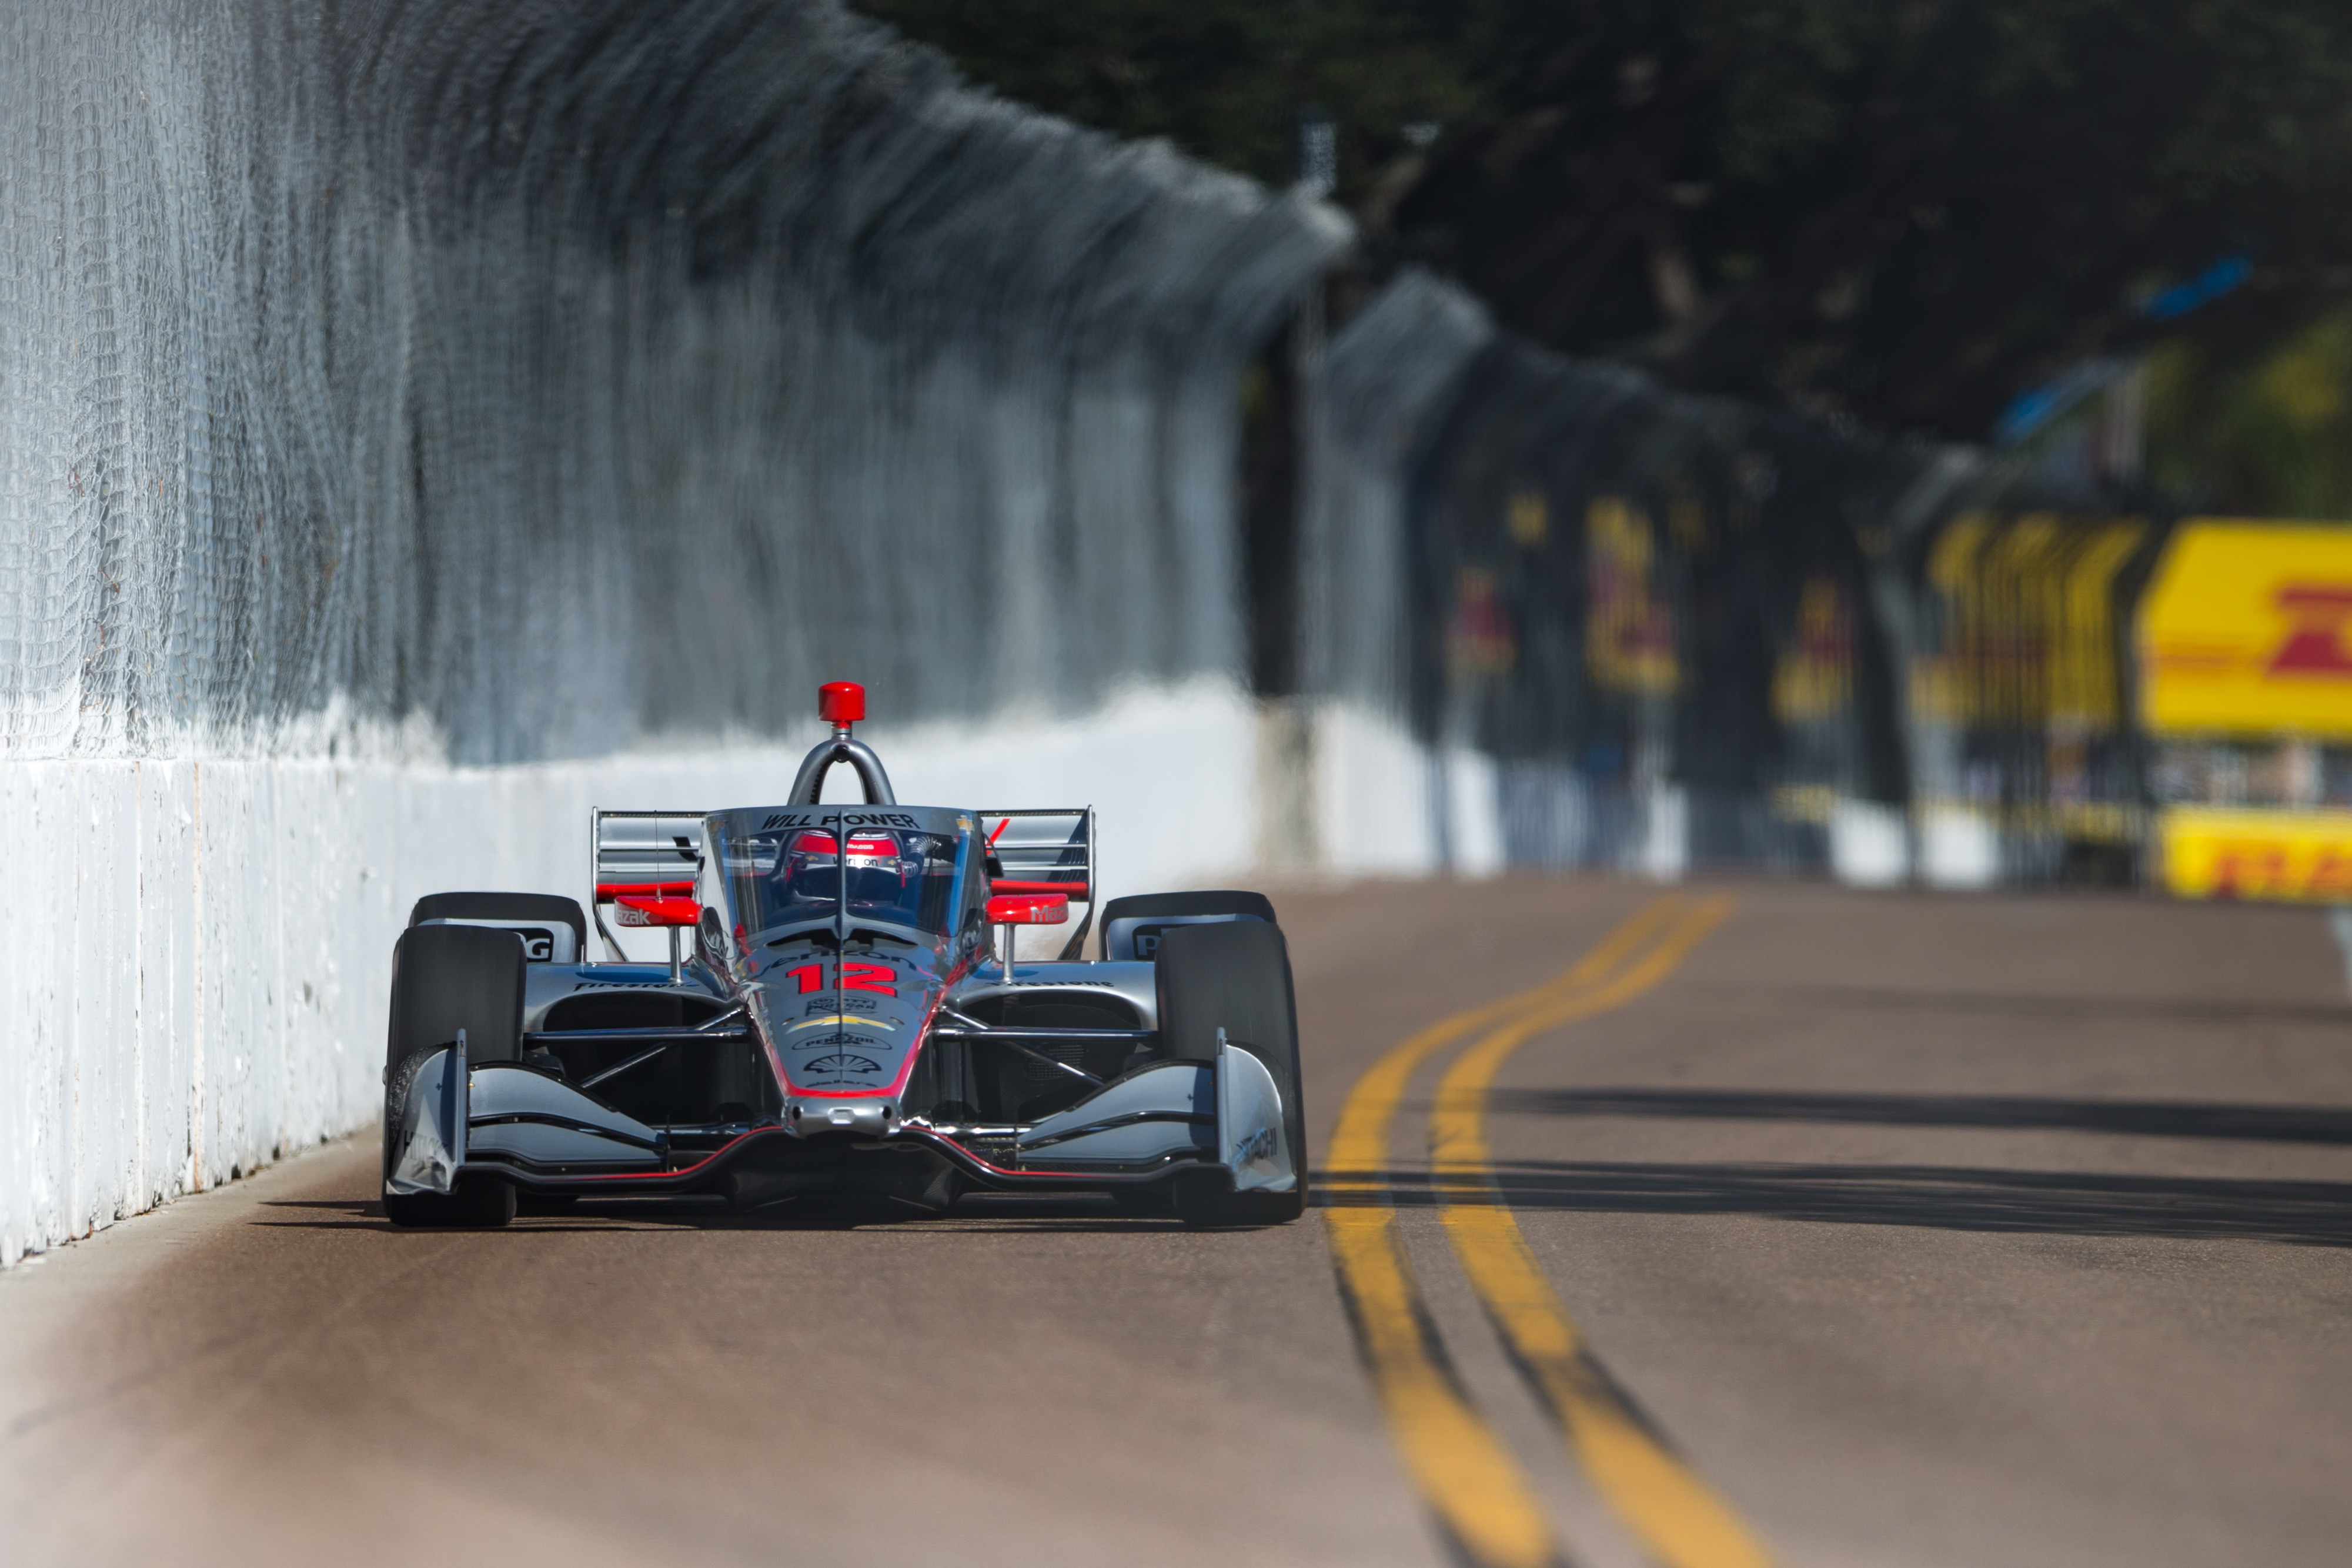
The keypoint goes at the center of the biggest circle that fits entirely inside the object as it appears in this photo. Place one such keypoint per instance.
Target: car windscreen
(795, 876)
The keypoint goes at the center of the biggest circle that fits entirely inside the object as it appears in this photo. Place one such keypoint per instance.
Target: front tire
(1151, 1201)
(1234, 975)
(480, 1203)
(446, 978)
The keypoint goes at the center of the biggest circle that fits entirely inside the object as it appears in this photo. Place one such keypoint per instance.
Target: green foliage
(1225, 80)
(1905, 210)
(2267, 434)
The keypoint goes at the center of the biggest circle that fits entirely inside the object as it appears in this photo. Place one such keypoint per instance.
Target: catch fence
(525, 379)
(1653, 612)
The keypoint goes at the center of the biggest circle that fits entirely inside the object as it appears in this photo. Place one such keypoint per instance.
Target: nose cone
(853, 1031)
(851, 1043)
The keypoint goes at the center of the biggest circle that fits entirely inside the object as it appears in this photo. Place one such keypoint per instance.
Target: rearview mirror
(1029, 909)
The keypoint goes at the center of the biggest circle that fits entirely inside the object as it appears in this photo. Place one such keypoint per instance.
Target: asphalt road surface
(1881, 1229)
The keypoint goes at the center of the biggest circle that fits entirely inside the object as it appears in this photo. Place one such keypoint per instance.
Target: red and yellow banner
(2212, 851)
(2248, 629)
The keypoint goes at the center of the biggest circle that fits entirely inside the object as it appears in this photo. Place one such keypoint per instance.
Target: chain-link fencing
(538, 376)
(1651, 615)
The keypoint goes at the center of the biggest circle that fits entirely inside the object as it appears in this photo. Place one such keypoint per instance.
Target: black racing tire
(1208, 901)
(480, 1203)
(446, 978)
(1235, 975)
(1145, 1200)
(1221, 901)
(535, 908)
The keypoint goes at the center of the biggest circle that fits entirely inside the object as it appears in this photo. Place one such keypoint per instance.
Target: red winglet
(1029, 909)
(657, 911)
(608, 892)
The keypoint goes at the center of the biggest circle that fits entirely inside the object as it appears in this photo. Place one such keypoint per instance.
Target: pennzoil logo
(837, 1039)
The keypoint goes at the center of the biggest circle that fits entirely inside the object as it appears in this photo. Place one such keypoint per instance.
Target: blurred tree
(1899, 211)
(1225, 80)
(2266, 433)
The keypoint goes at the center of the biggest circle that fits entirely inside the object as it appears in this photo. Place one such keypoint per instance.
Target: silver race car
(843, 1016)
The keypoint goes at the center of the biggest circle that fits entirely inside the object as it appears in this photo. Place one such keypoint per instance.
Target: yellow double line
(1480, 1496)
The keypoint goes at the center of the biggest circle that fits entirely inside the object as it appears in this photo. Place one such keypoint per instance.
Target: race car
(843, 1016)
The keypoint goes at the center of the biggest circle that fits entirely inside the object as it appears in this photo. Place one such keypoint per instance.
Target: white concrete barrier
(1958, 847)
(1870, 844)
(1374, 800)
(194, 953)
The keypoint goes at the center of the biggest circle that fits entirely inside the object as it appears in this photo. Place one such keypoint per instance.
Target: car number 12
(854, 978)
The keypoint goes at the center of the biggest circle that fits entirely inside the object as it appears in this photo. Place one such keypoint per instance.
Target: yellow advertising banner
(2248, 629)
(2213, 852)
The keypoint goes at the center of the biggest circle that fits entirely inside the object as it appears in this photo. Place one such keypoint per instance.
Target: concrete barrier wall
(196, 953)
(195, 958)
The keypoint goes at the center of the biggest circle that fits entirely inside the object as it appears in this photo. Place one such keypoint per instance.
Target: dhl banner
(2217, 853)
(2248, 629)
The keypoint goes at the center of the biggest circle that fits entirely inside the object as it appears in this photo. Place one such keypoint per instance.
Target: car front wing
(530, 1127)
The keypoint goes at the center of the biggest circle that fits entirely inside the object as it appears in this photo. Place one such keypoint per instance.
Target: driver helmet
(878, 873)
